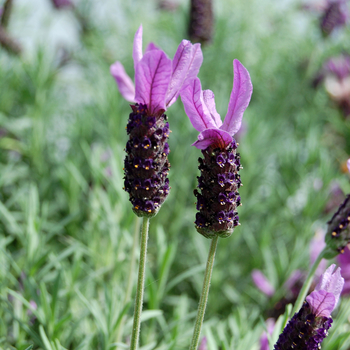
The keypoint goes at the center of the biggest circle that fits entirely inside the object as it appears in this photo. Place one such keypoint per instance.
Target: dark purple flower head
(335, 15)
(200, 108)
(308, 327)
(158, 81)
(219, 181)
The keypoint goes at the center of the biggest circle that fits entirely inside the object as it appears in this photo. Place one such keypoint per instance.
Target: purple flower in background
(203, 344)
(264, 340)
(336, 76)
(308, 327)
(219, 181)
(262, 283)
(158, 82)
(348, 164)
(61, 3)
(335, 15)
(317, 244)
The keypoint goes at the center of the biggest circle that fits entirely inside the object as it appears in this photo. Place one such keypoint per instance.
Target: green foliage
(66, 225)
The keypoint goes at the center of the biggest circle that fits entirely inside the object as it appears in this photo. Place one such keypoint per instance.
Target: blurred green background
(66, 225)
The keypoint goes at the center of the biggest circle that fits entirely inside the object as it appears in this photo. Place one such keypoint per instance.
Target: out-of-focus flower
(335, 15)
(336, 197)
(219, 181)
(262, 283)
(348, 164)
(59, 4)
(308, 327)
(344, 263)
(158, 81)
(201, 21)
(336, 76)
(317, 244)
(203, 344)
(264, 340)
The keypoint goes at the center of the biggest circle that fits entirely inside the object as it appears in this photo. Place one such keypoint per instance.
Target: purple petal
(137, 47)
(239, 99)
(213, 137)
(264, 341)
(125, 84)
(321, 303)
(195, 108)
(209, 100)
(151, 46)
(262, 283)
(203, 344)
(152, 78)
(186, 63)
(331, 282)
(348, 164)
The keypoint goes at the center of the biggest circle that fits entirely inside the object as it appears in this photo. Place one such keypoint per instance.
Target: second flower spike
(220, 180)
(158, 82)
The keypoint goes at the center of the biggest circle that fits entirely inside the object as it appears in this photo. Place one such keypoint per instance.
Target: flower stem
(204, 296)
(307, 283)
(130, 281)
(140, 286)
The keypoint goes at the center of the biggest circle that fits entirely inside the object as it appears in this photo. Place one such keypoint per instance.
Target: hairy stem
(204, 296)
(140, 286)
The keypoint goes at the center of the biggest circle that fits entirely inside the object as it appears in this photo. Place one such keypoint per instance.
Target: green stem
(129, 284)
(140, 286)
(204, 296)
(307, 283)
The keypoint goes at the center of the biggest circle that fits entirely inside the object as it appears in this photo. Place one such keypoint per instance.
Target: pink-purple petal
(124, 82)
(213, 137)
(348, 164)
(137, 47)
(151, 46)
(209, 100)
(239, 99)
(195, 108)
(186, 63)
(152, 78)
(262, 283)
(331, 282)
(321, 303)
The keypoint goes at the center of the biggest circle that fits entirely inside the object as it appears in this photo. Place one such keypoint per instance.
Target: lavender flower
(158, 81)
(262, 283)
(308, 327)
(203, 344)
(335, 15)
(338, 233)
(219, 181)
(201, 20)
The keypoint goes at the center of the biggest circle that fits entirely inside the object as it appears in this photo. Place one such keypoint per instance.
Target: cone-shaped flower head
(335, 15)
(219, 181)
(158, 81)
(338, 233)
(308, 327)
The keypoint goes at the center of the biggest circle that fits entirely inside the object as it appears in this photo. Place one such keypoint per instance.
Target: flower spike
(220, 180)
(308, 327)
(158, 82)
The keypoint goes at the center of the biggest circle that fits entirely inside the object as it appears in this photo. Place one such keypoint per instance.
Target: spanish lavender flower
(201, 20)
(158, 81)
(262, 283)
(335, 15)
(308, 327)
(219, 181)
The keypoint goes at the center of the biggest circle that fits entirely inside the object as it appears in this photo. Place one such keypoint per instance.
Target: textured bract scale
(146, 164)
(305, 331)
(218, 197)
